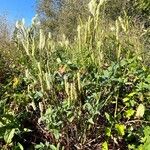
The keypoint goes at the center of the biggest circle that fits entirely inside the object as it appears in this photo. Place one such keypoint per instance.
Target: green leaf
(108, 131)
(19, 147)
(140, 111)
(129, 113)
(147, 131)
(9, 134)
(52, 147)
(146, 140)
(88, 106)
(71, 119)
(105, 146)
(125, 99)
(56, 133)
(58, 146)
(58, 60)
(107, 116)
(132, 94)
(120, 129)
(39, 146)
(148, 79)
(38, 95)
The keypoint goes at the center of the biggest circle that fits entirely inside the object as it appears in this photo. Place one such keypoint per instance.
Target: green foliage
(90, 93)
(105, 146)
(146, 139)
(120, 129)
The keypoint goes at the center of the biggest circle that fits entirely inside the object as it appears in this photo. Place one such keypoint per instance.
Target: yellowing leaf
(140, 111)
(15, 82)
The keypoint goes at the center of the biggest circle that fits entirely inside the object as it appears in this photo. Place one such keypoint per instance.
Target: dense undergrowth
(93, 93)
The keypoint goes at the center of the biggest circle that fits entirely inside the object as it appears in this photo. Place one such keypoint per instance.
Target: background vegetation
(77, 78)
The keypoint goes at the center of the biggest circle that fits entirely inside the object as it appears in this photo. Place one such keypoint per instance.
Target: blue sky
(18, 9)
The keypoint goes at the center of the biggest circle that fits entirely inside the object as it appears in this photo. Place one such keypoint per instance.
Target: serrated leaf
(140, 111)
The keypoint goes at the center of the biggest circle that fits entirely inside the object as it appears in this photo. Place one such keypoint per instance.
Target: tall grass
(98, 42)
